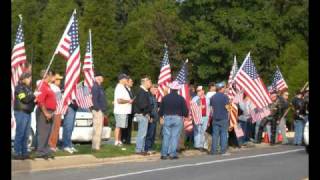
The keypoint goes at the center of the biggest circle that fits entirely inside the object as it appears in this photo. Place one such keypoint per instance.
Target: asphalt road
(275, 163)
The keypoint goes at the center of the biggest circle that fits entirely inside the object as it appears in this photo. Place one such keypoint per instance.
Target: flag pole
(247, 57)
(46, 72)
(54, 54)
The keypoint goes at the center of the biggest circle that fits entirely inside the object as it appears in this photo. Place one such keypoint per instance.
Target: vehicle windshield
(83, 110)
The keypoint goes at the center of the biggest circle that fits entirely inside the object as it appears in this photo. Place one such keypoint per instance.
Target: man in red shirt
(46, 101)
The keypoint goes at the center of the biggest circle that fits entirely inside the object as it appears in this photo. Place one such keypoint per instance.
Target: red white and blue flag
(88, 65)
(182, 79)
(231, 84)
(18, 59)
(278, 82)
(196, 112)
(84, 98)
(165, 75)
(248, 79)
(69, 48)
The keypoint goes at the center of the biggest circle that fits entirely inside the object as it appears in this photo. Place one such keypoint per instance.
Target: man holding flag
(69, 48)
(46, 101)
(172, 109)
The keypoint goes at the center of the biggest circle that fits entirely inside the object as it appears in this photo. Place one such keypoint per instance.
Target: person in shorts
(122, 107)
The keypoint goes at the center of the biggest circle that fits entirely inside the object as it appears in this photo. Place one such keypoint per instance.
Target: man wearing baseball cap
(98, 109)
(200, 126)
(220, 122)
(172, 109)
(122, 107)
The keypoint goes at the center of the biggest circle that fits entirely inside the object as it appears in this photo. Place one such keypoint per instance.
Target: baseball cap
(98, 74)
(25, 75)
(220, 84)
(57, 76)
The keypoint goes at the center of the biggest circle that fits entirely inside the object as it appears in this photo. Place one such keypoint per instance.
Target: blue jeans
(23, 122)
(199, 131)
(219, 130)
(142, 132)
(171, 133)
(298, 131)
(151, 134)
(68, 125)
(243, 125)
(256, 130)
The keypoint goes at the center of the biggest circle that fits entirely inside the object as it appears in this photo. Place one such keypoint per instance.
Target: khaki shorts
(121, 120)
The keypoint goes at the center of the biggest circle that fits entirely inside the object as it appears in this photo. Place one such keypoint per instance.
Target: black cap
(25, 75)
(98, 74)
(123, 76)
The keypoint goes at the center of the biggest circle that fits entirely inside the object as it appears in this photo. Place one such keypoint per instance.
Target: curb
(87, 160)
(78, 161)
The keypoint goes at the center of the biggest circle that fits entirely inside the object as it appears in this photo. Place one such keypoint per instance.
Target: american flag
(69, 48)
(248, 79)
(84, 98)
(231, 84)
(233, 116)
(88, 65)
(182, 79)
(278, 83)
(195, 112)
(259, 113)
(232, 92)
(18, 59)
(60, 108)
(165, 74)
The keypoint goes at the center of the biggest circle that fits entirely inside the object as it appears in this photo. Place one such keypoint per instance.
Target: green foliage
(128, 36)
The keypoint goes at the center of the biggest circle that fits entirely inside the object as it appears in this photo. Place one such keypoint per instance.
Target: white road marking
(196, 164)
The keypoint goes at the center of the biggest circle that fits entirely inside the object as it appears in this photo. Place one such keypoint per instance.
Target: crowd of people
(210, 133)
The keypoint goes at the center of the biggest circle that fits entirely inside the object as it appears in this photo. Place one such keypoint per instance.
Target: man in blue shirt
(220, 122)
(98, 109)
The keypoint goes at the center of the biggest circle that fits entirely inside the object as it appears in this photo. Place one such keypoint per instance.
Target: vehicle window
(83, 110)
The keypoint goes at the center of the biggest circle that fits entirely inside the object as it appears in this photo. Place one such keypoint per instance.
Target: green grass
(105, 151)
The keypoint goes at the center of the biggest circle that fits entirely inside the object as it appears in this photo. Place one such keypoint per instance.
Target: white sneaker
(226, 154)
(74, 149)
(69, 150)
(54, 149)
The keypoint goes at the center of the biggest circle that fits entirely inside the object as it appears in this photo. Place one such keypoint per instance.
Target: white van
(82, 131)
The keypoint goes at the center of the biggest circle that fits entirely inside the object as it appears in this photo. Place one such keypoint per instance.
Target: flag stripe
(165, 75)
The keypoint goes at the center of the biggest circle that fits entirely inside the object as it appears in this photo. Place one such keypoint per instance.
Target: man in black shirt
(23, 107)
(142, 109)
(173, 108)
(299, 118)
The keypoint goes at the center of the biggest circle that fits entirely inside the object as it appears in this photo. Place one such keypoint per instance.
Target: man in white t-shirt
(212, 90)
(122, 107)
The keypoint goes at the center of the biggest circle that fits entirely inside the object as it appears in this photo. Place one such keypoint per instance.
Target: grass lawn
(106, 150)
